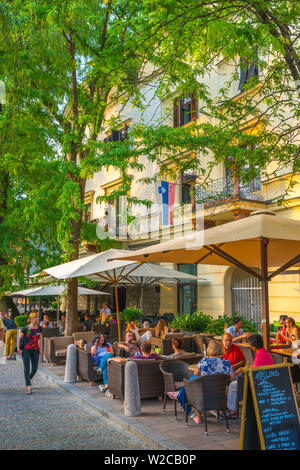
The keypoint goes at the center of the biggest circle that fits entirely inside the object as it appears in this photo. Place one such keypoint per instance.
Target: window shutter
(193, 108)
(253, 69)
(243, 73)
(175, 113)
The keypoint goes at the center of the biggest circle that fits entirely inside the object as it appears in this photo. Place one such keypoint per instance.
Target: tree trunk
(71, 310)
(7, 302)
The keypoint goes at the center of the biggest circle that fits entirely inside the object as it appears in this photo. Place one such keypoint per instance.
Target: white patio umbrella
(55, 290)
(99, 267)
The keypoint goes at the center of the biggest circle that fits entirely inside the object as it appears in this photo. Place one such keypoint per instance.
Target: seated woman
(291, 333)
(177, 345)
(99, 349)
(212, 364)
(161, 329)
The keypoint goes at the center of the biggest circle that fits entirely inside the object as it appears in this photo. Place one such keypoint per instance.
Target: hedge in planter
(131, 314)
(201, 323)
(197, 322)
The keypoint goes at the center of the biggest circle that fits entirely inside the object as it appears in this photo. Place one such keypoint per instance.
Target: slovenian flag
(167, 190)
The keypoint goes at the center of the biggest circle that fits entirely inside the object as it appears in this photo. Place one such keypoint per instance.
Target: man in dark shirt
(87, 324)
(146, 352)
(10, 335)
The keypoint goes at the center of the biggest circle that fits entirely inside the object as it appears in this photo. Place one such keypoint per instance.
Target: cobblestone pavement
(51, 419)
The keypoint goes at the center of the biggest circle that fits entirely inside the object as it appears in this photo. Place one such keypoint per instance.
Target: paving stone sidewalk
(158, 428)
(51, 419)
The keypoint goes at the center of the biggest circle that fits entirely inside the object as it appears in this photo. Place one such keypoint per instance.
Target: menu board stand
(270, 414)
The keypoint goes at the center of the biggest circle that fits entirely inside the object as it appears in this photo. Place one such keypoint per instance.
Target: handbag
(23, 340)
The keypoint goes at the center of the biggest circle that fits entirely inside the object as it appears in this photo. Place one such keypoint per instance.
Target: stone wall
(151, 299)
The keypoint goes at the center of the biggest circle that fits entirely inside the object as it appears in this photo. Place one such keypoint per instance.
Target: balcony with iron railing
(225, 189)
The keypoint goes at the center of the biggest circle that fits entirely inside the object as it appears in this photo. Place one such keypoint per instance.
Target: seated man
(87, 324)
(232, 352)
(236, 331)
(145, 352)
(61, 325)
(105, 312)
(177, 345)
(46, 323)
(262, 358)
(129, 346)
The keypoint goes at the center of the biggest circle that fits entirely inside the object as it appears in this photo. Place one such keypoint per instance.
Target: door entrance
(246, 296)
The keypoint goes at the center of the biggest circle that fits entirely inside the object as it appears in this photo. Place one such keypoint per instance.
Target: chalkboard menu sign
(270, 417)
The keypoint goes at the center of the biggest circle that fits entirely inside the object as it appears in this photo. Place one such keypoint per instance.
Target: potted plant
(131, 314)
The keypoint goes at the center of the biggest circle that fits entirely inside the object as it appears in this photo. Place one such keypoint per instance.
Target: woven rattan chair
(173, 372)
(88, 336)
(149, 375)
(85, 367)
(205, 393)
(248, 353)
(55, 349)
(49, 333)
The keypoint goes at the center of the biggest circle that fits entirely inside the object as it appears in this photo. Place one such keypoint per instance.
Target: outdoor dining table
(288, 352)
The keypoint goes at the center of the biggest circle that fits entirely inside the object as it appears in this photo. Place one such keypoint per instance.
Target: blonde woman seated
(212, 364)
(291, 333)
(161, 329)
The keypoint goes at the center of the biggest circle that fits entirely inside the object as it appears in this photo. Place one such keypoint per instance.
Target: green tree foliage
(29, 176)
(79, 59)
(237, 33)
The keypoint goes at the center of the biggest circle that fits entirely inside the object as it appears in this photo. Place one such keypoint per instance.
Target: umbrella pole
(57, 308)
(265, 292)
(142, 298)
(117, 308)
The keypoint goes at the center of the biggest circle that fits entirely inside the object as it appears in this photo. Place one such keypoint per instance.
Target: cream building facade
(227, 289)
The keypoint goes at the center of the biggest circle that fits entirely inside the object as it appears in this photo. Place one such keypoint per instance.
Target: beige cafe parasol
(99, 268)
(259, 241)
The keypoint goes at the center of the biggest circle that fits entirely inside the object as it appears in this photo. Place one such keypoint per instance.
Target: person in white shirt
(104, 313)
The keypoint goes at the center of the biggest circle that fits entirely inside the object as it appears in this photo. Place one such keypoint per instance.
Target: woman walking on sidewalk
(31, 349)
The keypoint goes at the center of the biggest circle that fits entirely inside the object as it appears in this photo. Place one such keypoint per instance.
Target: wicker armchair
(150, 378)
(88, 336)
(173, 372)
(200, 341)
(85, 366)
(165, 344)
(55, 349)
(207, 392)
(248, 353)
(49, 333)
